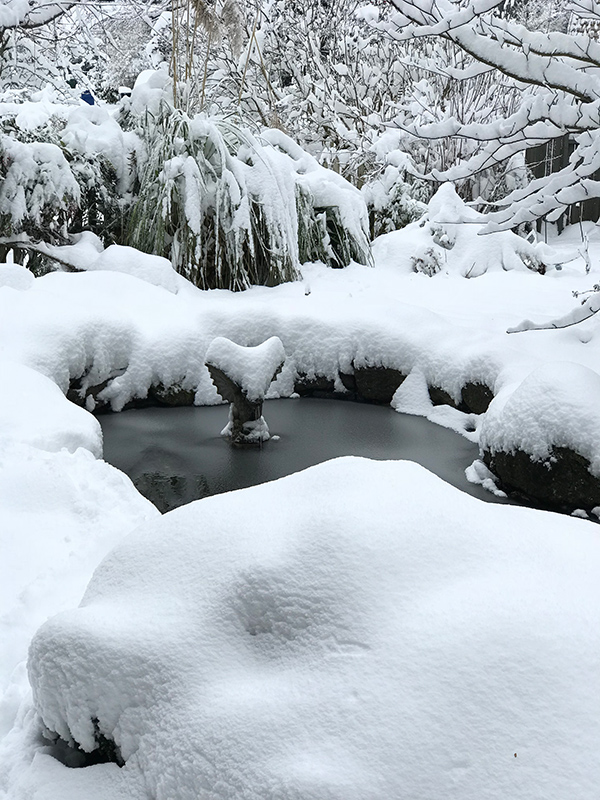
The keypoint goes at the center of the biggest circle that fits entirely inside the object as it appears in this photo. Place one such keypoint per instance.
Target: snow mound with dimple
(557, 405)
(251, 368)
(357, 631)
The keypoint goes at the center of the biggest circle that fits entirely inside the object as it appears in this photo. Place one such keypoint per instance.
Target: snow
(153, 269)
(15, 277)
(254, 431)
(408, 652)
(557, 405)
(251, 368)
(476, 620)
(62, 425)
(450, 240)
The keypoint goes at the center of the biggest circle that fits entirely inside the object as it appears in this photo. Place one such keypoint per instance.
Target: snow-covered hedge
(228, 209)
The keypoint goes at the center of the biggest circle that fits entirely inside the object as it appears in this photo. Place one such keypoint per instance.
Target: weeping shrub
(206, 203)
(231, 211)
(332, 215)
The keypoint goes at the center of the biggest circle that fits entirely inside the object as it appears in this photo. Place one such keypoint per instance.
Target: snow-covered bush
(38, 192)
(391, 200)
(331, 213)
(231, 210)
(448, 238)
(209, 202)
(228, 209)
(63, 170)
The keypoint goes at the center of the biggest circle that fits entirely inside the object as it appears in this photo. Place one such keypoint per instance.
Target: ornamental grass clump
(210, 201)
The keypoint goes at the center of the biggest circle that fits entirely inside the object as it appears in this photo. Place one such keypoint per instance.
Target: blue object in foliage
(88, 97)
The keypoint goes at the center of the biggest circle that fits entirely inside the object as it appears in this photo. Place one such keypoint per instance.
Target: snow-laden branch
(560, 82)
(586, 310)
(534, 58)
(26, 14)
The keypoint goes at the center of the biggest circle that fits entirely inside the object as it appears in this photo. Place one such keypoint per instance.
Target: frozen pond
(176, 455)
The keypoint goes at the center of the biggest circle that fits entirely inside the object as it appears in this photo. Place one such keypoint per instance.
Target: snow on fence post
(242, 376)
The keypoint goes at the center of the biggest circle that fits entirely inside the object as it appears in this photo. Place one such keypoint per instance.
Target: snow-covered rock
(557, 405)
(360, 630)
(542, 438)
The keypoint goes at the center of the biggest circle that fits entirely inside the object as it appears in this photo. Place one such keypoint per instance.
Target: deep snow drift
(250, 645)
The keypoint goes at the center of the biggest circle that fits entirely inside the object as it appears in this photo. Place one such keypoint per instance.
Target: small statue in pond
(242, 376)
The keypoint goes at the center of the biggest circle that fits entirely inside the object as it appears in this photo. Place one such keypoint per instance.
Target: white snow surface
(34, 412)
(251, 368)
(15, 277)
(62, 510)
(558, 405)
(250, 646)
(153, 269)
(448, 240)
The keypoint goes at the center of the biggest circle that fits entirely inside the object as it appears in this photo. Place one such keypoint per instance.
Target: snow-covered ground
(476, 646)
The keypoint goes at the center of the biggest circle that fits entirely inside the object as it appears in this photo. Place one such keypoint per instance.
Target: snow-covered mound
(447, 240)
(16, 277)
(146, 267)
(34, 411)
(357, 631)
(557, 405)
(251, 368)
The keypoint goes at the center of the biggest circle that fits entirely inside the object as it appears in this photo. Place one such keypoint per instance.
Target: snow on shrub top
(252, 368)
(36, 177)
(357, 631)
(151, 89)
(91, 130)
(557, 405)
(447, 239)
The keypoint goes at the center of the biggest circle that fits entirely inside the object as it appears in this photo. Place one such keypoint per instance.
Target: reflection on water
(169, 491)
(176, 455)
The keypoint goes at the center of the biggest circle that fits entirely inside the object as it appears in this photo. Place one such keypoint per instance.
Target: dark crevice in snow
(71, 755)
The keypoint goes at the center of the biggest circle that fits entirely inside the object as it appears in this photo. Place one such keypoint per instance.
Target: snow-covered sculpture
(242, 376)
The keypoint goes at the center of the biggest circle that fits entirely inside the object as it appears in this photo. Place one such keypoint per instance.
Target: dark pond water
(176, 455)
